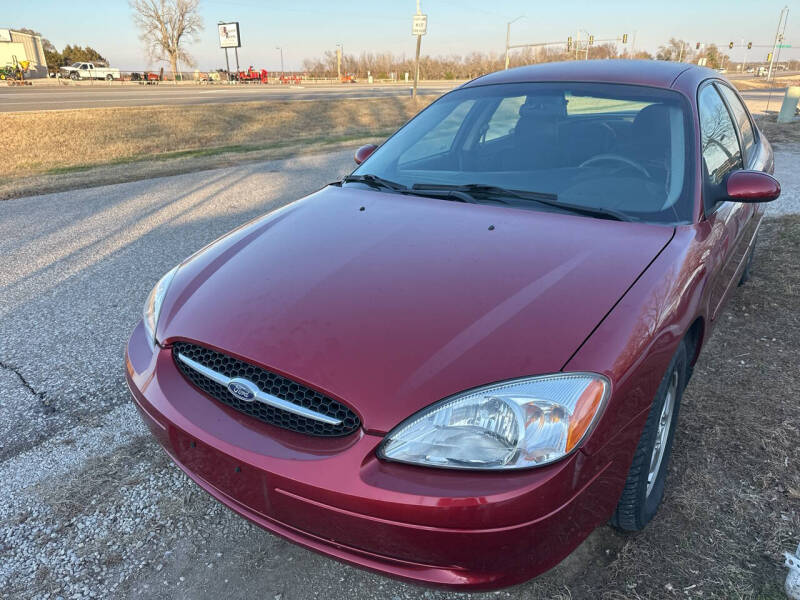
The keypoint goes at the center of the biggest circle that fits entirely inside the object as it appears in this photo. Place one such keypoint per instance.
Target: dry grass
(760, 83)
(47, 142)
(783, 133)
(163, 165)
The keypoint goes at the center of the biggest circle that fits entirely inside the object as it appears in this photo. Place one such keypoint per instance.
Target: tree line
(382, 65)
(70, 54)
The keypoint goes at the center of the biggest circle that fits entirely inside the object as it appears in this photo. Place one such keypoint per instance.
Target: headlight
(152, 307)
(511, 425)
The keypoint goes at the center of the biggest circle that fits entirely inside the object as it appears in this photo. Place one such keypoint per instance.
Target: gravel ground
(787, 170)
(91, 507)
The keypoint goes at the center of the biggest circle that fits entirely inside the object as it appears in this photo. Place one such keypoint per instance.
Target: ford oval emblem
(242, 389)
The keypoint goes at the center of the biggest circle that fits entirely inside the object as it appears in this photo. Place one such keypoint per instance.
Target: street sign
(783, 46)
(420, 25)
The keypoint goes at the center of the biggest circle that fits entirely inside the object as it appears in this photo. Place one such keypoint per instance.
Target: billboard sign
(229, 35)
(5, 35)
(420, 25)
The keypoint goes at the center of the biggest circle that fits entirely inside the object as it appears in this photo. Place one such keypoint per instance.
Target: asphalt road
(91, 508)
(102, 94)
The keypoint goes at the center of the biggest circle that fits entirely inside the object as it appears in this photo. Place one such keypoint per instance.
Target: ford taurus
(453, 364)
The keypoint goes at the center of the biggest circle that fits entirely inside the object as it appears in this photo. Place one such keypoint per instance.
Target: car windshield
(76, 65)
(621, 149)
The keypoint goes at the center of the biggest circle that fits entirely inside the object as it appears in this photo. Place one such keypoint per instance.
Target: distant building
(23, 46)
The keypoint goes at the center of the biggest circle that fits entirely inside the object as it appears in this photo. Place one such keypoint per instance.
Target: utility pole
(744, 55)
(784, 16)
(508, 36)
(339, 50)
(281, 49)
(589, 42)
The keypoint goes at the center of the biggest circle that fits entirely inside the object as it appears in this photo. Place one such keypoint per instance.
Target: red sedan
(455, 363)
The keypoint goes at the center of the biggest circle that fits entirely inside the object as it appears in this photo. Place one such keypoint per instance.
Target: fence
(163, 76)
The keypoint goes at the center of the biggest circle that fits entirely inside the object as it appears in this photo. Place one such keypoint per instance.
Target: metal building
(23, 46)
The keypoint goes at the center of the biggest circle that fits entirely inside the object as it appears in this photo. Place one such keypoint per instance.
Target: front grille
(270, 383)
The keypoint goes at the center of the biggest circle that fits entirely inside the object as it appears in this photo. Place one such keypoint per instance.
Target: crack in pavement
(42, 396)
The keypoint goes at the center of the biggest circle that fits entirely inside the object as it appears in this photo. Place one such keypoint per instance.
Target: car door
(722, 153)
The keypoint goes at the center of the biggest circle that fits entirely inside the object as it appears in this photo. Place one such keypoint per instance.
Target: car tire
(109, 77)
(746, 273)
(644, 487)
(74, 77)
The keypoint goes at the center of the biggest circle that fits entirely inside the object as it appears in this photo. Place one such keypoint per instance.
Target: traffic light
(569, 43)
(624, 38)
(697, 46)
(769, 57)
(591, 40)
(749, 45)
(730, 45)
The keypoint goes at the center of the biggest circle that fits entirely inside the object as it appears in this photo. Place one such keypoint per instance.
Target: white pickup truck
(87, 70)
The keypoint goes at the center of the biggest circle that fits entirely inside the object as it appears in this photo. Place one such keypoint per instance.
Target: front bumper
(446, 528)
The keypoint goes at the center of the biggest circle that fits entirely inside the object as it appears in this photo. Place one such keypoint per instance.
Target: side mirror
(752, 186)
(363, 153)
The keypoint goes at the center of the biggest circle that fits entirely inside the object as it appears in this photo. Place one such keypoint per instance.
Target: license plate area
(235, 479)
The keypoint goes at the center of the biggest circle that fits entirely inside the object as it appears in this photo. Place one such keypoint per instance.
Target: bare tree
(166, 27)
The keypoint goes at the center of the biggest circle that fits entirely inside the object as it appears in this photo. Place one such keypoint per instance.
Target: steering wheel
(616, 158)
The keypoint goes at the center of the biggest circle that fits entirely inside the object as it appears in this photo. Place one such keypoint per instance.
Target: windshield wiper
(545, 198)
(375, 181)
(380, 183)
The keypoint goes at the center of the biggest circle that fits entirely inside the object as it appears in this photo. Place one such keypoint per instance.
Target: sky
(306, 28)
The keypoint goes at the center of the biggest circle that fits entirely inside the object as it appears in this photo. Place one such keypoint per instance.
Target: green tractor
(15, 73)
(8, 72)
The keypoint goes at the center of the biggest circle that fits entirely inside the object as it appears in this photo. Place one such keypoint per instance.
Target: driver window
(504, 118)
(720, 146)
(745, 127)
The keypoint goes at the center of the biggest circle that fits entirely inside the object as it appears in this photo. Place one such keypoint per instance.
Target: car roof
(656, 73)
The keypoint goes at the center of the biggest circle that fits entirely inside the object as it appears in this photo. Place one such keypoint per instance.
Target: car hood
(391, 302)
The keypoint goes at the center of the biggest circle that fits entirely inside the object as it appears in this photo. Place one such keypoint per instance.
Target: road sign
(420, 25)
(783, 46)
